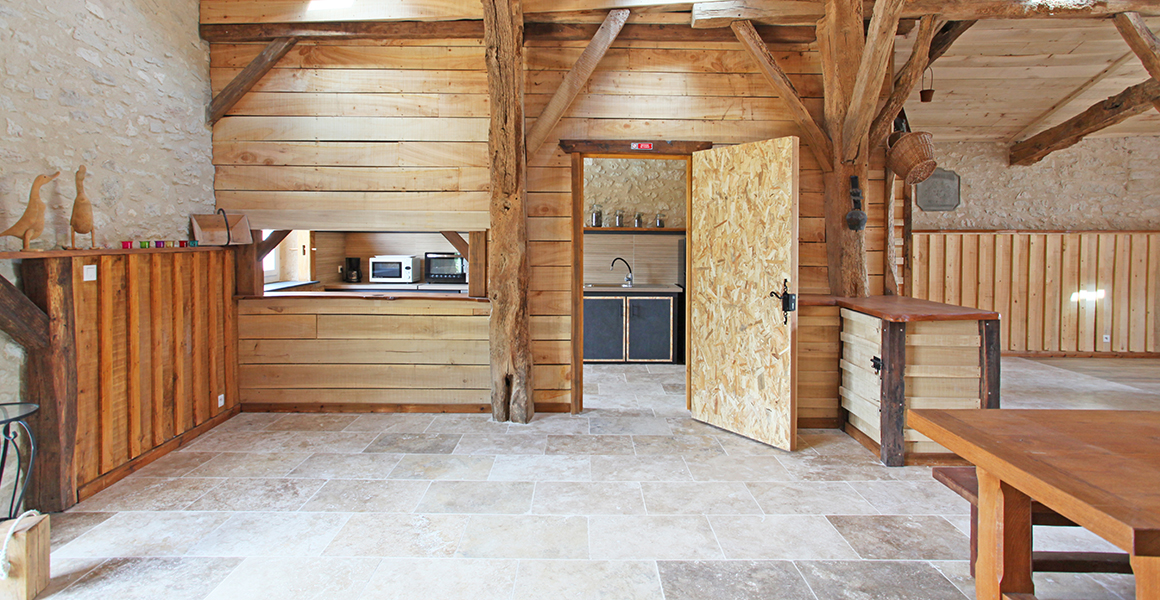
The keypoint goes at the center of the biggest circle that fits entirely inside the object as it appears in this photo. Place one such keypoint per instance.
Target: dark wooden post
(51, 382)
(989, 358)
(893, 407)
(511, 354)
(251, 279)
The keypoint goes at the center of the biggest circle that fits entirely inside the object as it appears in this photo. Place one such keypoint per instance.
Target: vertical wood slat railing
(1059, 293)
(156, 336)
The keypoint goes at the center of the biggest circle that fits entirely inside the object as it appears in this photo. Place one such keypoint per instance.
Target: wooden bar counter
(900, 353)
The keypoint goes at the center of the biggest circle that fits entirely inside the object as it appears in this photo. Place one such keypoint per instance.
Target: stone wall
(636, 185)
(1098, 184)
(120, 87)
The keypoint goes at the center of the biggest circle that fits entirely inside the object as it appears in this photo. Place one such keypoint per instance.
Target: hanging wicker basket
(911, 155)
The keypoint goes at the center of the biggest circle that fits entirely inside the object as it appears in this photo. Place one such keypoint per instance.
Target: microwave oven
(394, 269)
(445, 267)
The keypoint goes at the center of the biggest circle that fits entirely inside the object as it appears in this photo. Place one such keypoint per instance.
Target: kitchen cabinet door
(650, 329)
(604, 329)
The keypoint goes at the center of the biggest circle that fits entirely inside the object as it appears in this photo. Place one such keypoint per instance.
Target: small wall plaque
(940, 192)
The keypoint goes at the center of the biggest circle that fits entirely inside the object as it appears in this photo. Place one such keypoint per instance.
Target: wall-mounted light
(1088, 295)
(856, 218)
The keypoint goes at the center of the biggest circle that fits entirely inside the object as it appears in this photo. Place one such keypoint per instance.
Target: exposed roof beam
(876, 55)
(563, 32)
(820, 143)
(21, 318)
(362, 30)
(576, 79)
(1142, 41)
(801, 12)
(1076, 93)
(947, 36)
(533, 31)
(546, 6)
(267, 245)
(248, 77)
(1129, 103)
(461, 245)
(905, 82)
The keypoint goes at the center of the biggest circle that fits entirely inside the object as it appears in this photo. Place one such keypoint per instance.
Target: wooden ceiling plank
(248, 77)
(876, 56)
(1076, 93)
(565, 32)
(904, 83)
(361, 30)
(1129, 103)
(819, 143)
(576, 79)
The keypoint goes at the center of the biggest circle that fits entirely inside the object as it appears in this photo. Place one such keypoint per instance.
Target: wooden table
(1099, 468)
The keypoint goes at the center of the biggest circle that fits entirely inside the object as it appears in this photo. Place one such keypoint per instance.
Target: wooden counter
(900, 353)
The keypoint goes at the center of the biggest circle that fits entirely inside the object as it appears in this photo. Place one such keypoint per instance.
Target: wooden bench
(963, 482)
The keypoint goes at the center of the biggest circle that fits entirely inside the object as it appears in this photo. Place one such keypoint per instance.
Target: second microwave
(394, 269)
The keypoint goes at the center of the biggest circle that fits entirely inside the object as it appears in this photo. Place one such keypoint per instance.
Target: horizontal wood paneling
(157, 345)
(362, 354)
(1058, 293)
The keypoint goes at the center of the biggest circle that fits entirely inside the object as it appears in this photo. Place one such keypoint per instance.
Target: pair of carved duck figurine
(31, 223)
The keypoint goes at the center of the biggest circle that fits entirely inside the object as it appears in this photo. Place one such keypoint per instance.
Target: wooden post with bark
(511, 358)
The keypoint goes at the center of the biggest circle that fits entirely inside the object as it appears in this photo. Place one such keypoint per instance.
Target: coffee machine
(352, 274)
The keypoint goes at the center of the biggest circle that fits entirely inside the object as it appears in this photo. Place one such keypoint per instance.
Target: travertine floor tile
(175, 464)
(715, 498)
(588, 444)
(860, 580)
(296, 578)
(441, 466)
(911, 497)
(452, 423)
(346, 466)
(541, 468)
(736, 468)
(639, 468)
(734, 580)
(478, 497)
(367, 495)
(311, 422)
(143, 534)
(493, 444)
(249, 464)
(810, 498)
(891, 537)
(150, 579)
(414, 579)
(148, 493)
(525, 536)
(780, 537)
(392, 422)
(585, 498)
(415, 443)
(270, 534)
(588, 579)
(259, 494)
(685, 445)
(653, 538)
(378, 534)
(628, 426)
(68, 526)
(557, 424)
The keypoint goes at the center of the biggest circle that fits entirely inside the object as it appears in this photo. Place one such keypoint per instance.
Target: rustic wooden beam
(904, 82)
(626, 147)
(248, 77)
(1076, 93)
(267, 245)
(840, 42)
(361, 30)
(649, 32)
(461, 245)
(51, 382)
(1133, 101)
(477, 264)
(576, 79)
(1142, 42)
(797, 12)
(819, 143)
(892, 413)
(511, 355)
(876, 55)
(21, 319)
(947, 36)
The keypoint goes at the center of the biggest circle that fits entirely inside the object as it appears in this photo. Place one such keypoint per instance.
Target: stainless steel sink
(608, 285)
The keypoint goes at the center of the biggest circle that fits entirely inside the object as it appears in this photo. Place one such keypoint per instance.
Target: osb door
(742, 245)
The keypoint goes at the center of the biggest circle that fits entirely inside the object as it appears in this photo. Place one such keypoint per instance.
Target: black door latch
(788, 301)
(876, 363)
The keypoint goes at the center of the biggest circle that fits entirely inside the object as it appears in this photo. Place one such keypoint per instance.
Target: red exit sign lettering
(641, 146)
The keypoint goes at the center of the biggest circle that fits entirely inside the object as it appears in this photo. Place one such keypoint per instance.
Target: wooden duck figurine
(82, 213)
(31, 223)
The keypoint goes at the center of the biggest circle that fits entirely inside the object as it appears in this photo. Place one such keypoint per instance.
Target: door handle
(788, 301)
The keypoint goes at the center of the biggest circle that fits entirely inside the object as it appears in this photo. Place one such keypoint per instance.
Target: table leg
(1147, 572)
(1004, 561)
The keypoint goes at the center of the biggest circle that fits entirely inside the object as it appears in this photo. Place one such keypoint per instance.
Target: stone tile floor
(629, 500)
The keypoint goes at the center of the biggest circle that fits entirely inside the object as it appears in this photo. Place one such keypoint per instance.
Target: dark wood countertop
(903, 309)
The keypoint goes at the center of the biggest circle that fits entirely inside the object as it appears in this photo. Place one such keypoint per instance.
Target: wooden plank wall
(363, 355)
(1032, 279)
(156, 348)
(819, 377)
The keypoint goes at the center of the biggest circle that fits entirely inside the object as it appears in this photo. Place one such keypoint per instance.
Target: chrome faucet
(627, 278)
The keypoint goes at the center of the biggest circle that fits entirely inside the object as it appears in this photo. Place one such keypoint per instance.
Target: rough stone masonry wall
(1098, 184)
(635, 185)
(120, 87)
